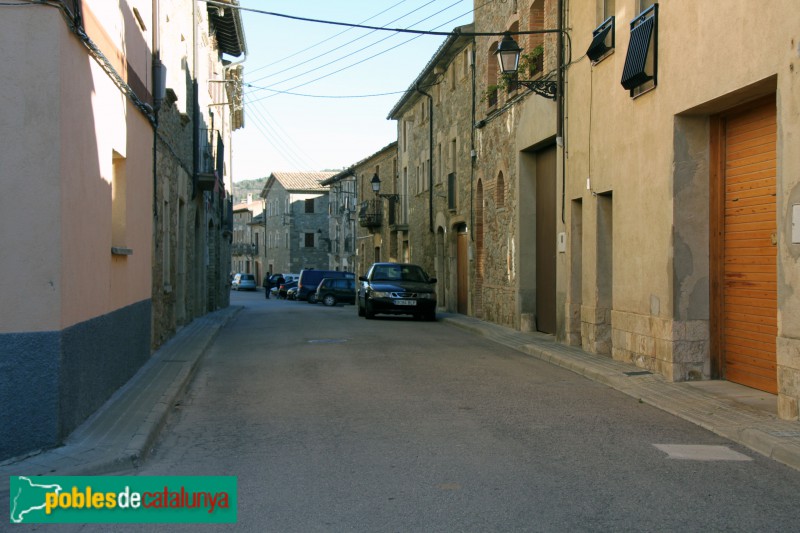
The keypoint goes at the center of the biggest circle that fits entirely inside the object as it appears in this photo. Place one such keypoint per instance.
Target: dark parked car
(284, 288)
(309, 281)
(397, 289)
(291, 294)
(332, 291)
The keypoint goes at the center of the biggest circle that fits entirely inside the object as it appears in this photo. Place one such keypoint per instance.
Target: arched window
(492, 76)
(536, 43)
(512, 83)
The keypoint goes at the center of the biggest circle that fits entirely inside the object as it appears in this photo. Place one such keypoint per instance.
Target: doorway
(744, 245)
(462, 267)
(546, 249)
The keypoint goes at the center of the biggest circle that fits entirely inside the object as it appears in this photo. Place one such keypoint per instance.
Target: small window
(641, 63)
(500, 191)
(602, 40)
(119, 193)
(451, 191)
(605, 9)
(309, 205)
(309, 240)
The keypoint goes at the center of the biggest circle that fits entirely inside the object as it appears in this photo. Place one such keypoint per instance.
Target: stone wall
(385, 238)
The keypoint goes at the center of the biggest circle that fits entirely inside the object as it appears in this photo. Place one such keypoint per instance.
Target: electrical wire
(336, 35)
(277, 141)
(333, 96)
(362, 26)
(356, 63)
(360, 49)
(285, 138)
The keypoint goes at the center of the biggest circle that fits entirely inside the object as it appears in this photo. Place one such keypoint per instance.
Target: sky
(285, 131)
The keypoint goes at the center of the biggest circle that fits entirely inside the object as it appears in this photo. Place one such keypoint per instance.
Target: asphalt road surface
(336, 423)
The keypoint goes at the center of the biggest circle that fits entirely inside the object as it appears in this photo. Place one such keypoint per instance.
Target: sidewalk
(741, 414)
(121, 433)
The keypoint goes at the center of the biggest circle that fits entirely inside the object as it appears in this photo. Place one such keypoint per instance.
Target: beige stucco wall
(651, 152)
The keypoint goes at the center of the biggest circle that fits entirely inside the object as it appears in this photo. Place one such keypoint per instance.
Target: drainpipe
(472, 152)
(430, 159)
(195, 108)
(158, 81)
(560, 111)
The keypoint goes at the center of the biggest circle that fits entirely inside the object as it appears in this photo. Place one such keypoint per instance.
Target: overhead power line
(380, 28)
(337, 35)
(351, 54)
(353, 64)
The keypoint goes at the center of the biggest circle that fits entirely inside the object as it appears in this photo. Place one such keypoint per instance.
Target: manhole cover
(327, 341)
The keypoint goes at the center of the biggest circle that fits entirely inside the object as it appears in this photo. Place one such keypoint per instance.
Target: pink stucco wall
(68, 119)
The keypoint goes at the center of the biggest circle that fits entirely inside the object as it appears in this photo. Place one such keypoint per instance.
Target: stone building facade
(245, 241)
(435, 147)
(382, 231)
(201, 48)
(517, 189)
(341, 233)
(296, 220)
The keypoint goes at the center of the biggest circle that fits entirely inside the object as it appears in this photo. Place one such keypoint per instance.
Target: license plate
(405, 302)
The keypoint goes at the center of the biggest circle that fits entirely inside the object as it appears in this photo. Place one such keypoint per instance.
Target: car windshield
(248, 277)
(398, 273)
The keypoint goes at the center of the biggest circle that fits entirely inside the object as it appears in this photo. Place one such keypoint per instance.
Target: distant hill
(242, 188)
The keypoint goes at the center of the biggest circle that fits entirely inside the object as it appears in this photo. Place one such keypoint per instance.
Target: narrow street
(336, 423)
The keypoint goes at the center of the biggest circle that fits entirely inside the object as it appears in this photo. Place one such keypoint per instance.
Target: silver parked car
(243, 282)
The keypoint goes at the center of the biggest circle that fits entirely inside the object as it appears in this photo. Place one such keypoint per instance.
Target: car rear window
(248, 276)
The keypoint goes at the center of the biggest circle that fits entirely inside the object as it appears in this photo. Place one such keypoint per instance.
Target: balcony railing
(370, 213)
(244, 248)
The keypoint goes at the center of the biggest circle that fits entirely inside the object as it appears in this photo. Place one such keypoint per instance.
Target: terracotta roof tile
(302, 181)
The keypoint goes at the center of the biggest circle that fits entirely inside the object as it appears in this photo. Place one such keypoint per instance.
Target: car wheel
(329, 300)
(312, 298)
(368, 311)
(430, 316)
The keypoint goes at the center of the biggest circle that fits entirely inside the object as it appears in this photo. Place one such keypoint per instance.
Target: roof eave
(428, 71)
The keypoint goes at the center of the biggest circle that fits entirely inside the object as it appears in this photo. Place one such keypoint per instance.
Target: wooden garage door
(748, 322)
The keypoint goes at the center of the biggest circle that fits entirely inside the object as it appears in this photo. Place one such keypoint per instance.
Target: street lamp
(508, 52)
(376, 188)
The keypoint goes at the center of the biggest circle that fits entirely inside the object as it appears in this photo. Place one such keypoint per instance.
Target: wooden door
(461, 268)
(744, 251)
(546, 251)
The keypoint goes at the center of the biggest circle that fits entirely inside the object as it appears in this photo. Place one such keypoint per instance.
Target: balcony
(244, 249)
(398, 214)
(211, 161)
(370, 214)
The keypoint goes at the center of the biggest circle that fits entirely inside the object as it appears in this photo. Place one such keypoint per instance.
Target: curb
(143, 404)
